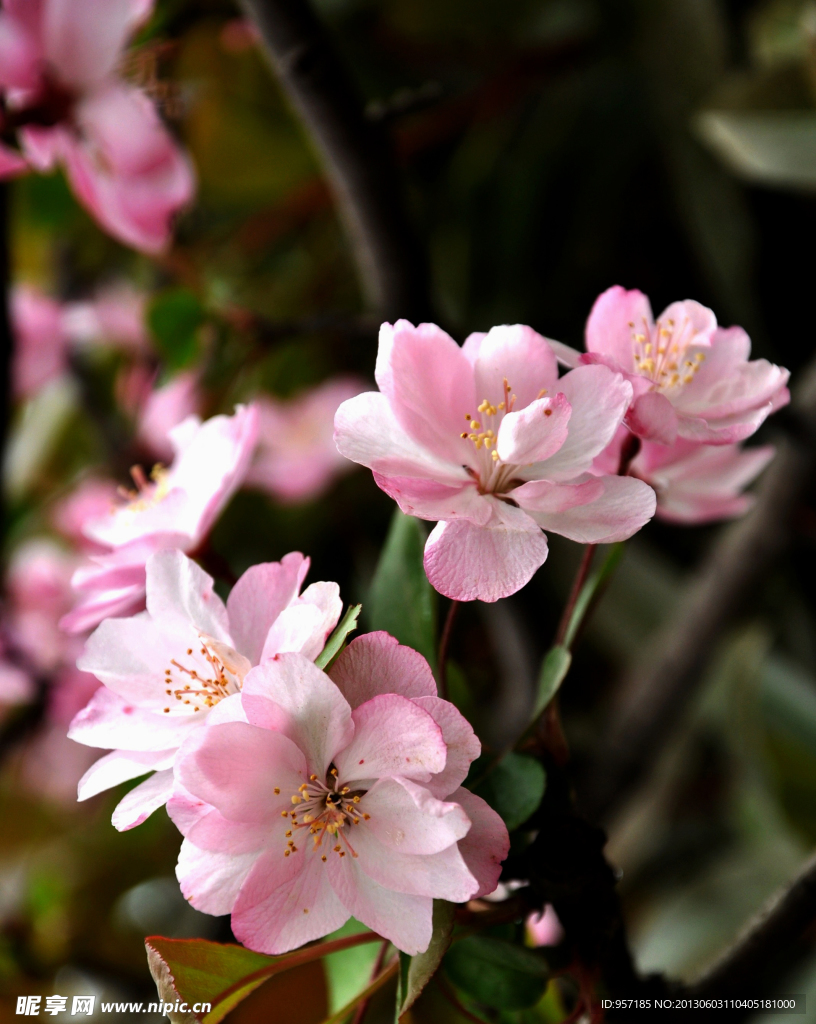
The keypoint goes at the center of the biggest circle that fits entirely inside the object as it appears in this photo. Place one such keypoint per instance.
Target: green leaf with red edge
(199, 971)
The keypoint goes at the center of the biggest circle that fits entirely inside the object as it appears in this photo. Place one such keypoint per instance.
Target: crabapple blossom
(297, 458)
(175, 508)
(487, 440)
(169, 668)
(114, 317)
(690, 378)
(544, 928)
(91, 499)
(694, 483)
(335, 797)
(66, 104)
(41, 340)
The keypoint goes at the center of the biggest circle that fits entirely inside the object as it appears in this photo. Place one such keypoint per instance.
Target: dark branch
(767, 938)
(356, 155)
(664, 682)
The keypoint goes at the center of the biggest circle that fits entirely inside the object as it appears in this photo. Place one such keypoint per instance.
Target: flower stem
(444, 644)
(378, 963)
(577, 587)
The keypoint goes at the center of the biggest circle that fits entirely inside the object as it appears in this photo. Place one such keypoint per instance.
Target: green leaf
(497, 973)
(590, 589)
(200, 971)
(174, 317)
(513, 787)
(335, 642)
(554, 669)
(419, 970)
(402, 601)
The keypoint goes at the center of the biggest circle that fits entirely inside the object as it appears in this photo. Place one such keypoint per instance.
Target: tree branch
(356, 155)
(666, 679)
(767, 938)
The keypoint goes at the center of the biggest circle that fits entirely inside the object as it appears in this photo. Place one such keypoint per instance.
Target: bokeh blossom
(66, 105)
(297, 458)
(487, 440)
(690, 378)
(41, 340)
(175, 508)
(336, 797)
(168, 669)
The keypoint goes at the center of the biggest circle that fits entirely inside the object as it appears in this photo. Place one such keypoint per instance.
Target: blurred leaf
(513, 787)
(402, 601)
(421, 968)
(774, 147)
(554, 669)
(196, 970)
(497, 973)
(174, 317)
(335, 642)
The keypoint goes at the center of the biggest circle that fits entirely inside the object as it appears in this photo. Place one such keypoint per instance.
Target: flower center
(661, 354)
(212, 672)
(148, 492)
(325, 810)
(493, 476)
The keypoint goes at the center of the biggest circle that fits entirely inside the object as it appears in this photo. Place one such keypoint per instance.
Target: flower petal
(211, 881)
(83, 39)
(461, 741)
(473, 563)
(111, 722)
(392, 736)
(291, 695)
(405, 817)
(544, 496)
(367, 431)
(535, 432)
(520, 356)
(487, 843)
(142, 801)
(624, 507)
(179, 591)
(599, 398)
(121, 766)
(237, 767)
(378, 663)
(428, 499)
(405, 920)
(285, 903)
(652, 417)
(305, 625)
(615, 316)
(258, 598)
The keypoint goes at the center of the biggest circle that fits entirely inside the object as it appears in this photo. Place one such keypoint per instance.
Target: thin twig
(663, 683)
(768, 937)
(375, 970)
(444, 644)
(356, 155)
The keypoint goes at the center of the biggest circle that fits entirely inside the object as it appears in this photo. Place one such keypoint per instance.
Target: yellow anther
(501, 405)
(323, 858)
(277, 790)
(286, 853)
(296, 800)
(494, 456)
(647, 348)
(288, 832)
(464, 435)
(475, 425)
(337, 848)
(284, 814)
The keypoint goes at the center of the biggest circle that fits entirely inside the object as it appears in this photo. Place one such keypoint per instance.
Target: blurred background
(551, 148)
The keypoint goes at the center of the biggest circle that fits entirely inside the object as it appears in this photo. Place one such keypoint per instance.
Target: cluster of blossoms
(64, 102)
(304, 798)
(307, 796)
(489, 441)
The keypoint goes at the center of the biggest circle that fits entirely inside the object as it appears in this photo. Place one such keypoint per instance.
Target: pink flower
(691, 378)
(167, 406)
(487, 440)
(92, 499)
(544, 929)
(694, 483)
(332, 799)
(57, 66)
(176, 508)
(114, 317)
(183, 660)
(40, 353)
(38, 584)
(297, 458)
